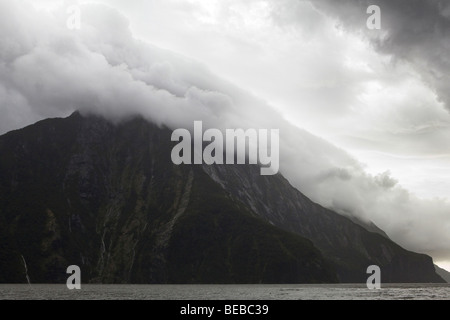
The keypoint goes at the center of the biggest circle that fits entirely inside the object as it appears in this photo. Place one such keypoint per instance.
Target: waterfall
(26, 270)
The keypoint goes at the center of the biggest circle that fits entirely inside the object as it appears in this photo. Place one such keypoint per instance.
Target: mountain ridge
(444, 274)
(107, 197)
(338, 237)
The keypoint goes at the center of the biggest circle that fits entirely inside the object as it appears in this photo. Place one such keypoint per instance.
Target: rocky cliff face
(349, 247)
(108, 198)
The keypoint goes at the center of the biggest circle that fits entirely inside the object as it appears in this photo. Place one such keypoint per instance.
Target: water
(226, 292)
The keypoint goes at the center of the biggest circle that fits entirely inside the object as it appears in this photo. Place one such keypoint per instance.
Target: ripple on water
(226, 292)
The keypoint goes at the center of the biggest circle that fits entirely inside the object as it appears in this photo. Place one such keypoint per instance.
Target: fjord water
(226, 292)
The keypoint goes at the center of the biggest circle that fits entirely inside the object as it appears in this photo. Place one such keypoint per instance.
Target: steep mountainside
(444, 274)
(347, 245)
(108, 198)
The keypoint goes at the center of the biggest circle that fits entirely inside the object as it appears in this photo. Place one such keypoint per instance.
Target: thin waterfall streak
(26, 270)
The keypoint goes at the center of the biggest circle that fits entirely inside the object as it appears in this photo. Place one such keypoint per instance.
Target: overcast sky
(374, 105)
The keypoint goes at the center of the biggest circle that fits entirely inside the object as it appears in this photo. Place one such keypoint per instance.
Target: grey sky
(380, 96)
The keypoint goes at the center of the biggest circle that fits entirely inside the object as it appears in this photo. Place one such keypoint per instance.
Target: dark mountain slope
(108, 198)
(444, 274)
(347, 245)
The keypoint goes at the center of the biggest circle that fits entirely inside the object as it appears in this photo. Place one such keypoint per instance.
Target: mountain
(349, 247)
(444, 274)
(108, 198)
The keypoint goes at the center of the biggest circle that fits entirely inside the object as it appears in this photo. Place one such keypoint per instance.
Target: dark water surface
(226, 292)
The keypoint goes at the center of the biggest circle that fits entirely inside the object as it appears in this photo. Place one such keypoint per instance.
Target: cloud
(48, 70)
(416, 31)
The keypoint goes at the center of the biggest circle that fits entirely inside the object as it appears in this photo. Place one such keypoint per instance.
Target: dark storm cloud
(416, 31)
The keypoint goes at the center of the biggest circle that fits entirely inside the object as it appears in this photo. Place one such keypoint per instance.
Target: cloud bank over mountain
(47, 70)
